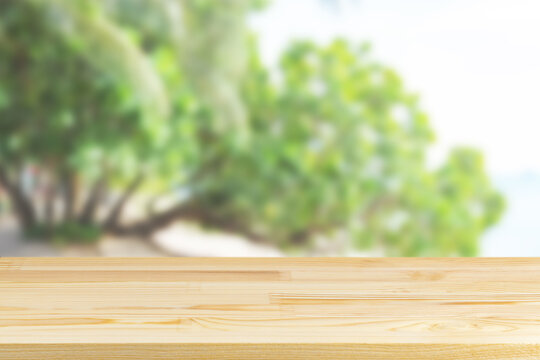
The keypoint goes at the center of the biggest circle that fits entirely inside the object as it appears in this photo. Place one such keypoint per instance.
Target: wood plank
(288, 308)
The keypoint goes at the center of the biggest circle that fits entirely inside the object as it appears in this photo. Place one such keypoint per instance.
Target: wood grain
(222, 308)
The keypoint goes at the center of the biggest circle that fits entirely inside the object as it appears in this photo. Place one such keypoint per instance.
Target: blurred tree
(66, 112)
(328, 145)
(338, 147)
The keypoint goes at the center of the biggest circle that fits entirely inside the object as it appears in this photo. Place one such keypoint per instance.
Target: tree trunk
(69, 191)
(48, 207)
(95, 196)
(111, 222)
(24, 211)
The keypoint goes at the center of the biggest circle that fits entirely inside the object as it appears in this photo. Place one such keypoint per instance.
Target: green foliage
(330, 144)
(338, 145)
(60, 110)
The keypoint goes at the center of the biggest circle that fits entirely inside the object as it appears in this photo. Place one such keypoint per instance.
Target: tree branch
(187, 211)
(154, 222)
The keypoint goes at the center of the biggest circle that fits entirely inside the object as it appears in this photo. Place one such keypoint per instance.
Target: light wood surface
(239, 309)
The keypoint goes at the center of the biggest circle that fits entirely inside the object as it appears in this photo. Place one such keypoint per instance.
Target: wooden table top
(254, 308)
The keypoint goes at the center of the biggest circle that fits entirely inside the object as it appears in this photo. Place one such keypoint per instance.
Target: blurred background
(269, 128)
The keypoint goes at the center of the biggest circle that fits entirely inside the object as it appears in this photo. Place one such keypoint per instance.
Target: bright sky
(476, 63)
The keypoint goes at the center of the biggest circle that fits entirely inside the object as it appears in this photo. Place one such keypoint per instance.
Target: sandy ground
(189, 240)
(11, 244)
